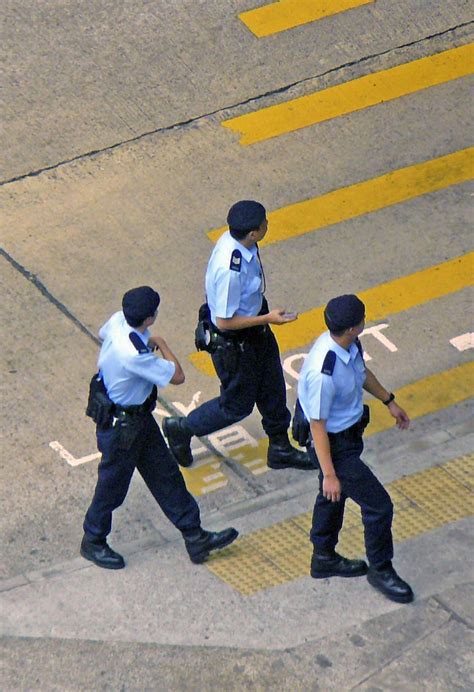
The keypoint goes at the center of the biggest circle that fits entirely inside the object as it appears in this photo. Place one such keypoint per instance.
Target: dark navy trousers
(150, 455)
(257, 379)
(360, 485)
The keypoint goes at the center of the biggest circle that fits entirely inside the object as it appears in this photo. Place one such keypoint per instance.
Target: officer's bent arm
(373, 386)
(179, 376)
(167, 353)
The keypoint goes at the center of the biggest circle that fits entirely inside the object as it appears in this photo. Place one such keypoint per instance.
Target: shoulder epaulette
(359, 346)
(236, 261)
(138, 343)
(329, 363)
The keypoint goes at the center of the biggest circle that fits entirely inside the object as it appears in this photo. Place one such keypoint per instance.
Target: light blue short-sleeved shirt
(128, 375)
(335, 398)
(233, 280)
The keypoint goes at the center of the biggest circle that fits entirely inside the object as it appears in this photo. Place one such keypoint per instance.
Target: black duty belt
(239, 335)
(357, 429)
(348, 432)
(138, 409)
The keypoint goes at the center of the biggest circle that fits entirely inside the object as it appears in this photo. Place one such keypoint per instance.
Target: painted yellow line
(354, 95)
(426, 396)
(381, 301)
(286, 14)
(365, 197)
(420, 398)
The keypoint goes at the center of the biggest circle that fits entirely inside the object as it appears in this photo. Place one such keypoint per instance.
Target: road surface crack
(252, 99)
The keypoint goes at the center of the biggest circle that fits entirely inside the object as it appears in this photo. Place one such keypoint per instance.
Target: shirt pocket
(359, 371)
(253, 284)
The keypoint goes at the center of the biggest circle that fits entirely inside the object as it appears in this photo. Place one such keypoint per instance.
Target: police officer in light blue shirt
(336, 397)
(247, 360)
(121, 403)
(130, 373)
(330, 389)
(233, 280)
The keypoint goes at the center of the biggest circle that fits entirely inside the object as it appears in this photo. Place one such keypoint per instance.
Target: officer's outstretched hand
(400, 415)
(281, 316)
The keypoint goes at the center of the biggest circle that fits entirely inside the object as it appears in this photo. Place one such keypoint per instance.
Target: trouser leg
(237, 396)
(358, 483)
(115, 471)
(328, 518)
(271, 393)
(165, 481)
(377, 514)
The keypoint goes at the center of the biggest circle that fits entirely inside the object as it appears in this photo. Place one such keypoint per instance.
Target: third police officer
(330, 394)
(244, 350)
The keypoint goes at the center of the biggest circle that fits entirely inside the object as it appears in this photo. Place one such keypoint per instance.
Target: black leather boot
(334, 565)
(178, 434)
(387, 581)
(97, 551)
(200, 545)
(281, 455)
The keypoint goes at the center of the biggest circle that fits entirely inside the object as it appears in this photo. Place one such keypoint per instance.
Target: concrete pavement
(163, 623)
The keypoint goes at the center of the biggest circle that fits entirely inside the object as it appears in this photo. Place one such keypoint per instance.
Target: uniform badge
(236, 261)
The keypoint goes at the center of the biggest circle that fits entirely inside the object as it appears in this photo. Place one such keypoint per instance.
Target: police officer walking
(330, 394)
(121, 402)
(247, 360)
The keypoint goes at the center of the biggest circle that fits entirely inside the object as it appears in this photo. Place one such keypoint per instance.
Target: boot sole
(318, 575)
(100, 564)
(393, 597)
(202, 557)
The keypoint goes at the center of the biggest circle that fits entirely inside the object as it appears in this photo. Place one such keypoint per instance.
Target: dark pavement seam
(251, 99)
(453, 615)
(401, 653)
(236, 468)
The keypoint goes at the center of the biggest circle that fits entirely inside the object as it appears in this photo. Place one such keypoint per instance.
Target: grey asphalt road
(114, 167)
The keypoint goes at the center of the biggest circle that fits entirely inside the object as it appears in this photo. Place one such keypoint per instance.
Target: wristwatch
(389, 400)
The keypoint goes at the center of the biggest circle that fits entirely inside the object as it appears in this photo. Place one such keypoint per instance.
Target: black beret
(138, 304)
(344, 312)
(246, 215)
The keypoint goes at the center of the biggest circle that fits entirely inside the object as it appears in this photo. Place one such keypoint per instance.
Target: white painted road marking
(463, 342)
(70, 458)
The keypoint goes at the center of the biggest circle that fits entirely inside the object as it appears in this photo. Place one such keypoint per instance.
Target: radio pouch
(205, 334)
(300, 428)
(99, 407)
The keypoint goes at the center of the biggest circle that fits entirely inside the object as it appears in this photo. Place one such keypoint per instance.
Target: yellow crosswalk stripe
(420, 398)
(286, 14)
(385, 299)
(281, 552)
(367, 196)
(428, 395)
(354, 95)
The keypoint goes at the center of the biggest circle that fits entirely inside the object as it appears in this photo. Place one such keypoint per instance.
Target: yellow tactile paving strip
(282, 552)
